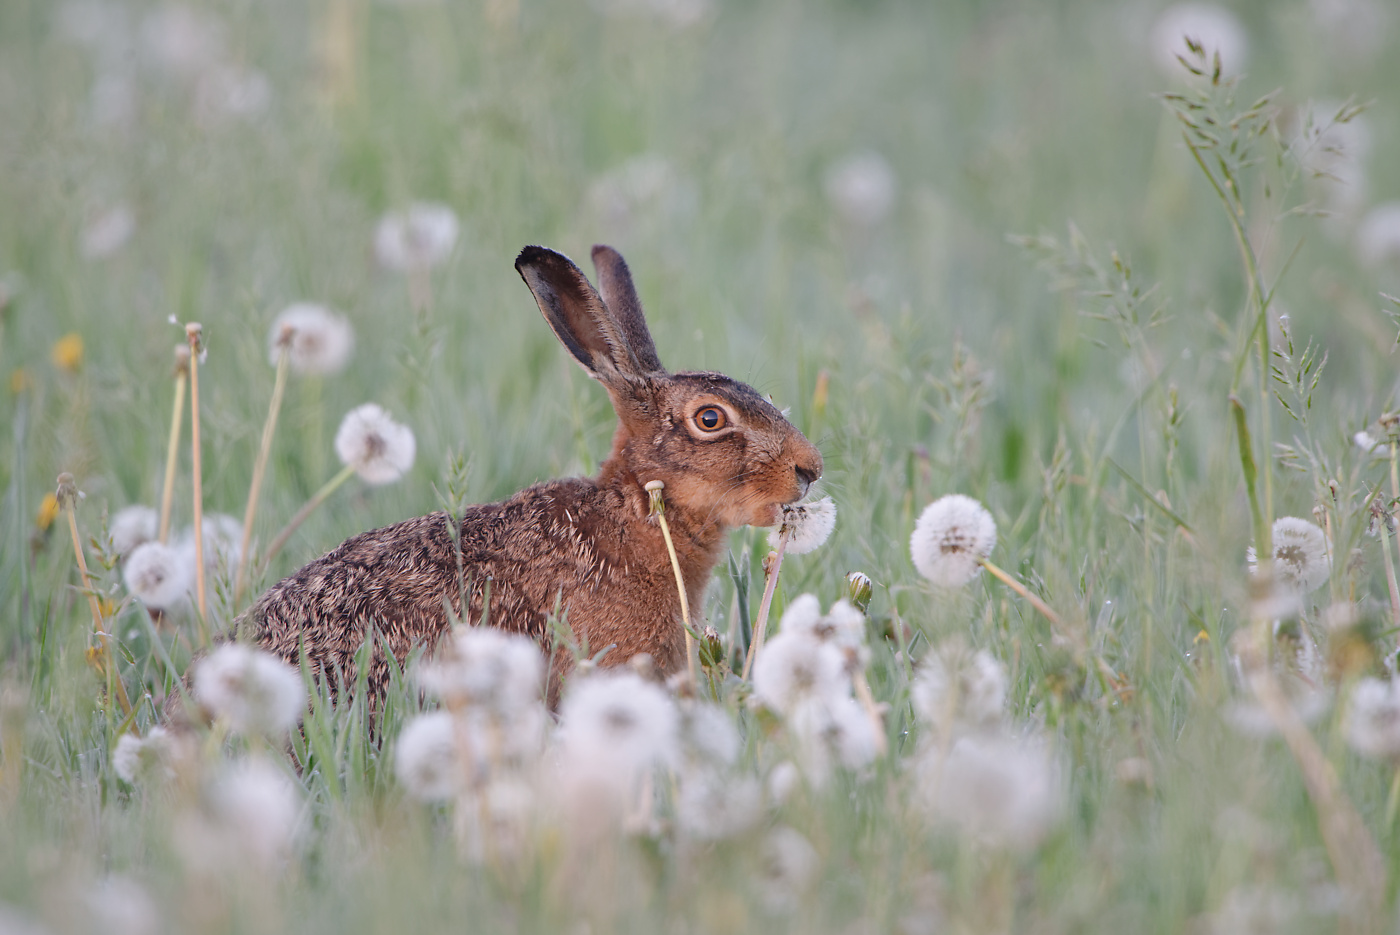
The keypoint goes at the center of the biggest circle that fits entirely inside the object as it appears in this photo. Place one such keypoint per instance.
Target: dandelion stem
(1392, 801)
(1021, 589)
(67, 493)
(872, 710)
(193, 334)
(1387, 525)
(316, 500)
(658, 509)
(770, 585)
(172, 452)
(279, 386)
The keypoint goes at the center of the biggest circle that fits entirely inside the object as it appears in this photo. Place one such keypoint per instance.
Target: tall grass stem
(279, 387)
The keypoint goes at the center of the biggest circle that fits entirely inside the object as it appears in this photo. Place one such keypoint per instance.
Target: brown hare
(584, 550)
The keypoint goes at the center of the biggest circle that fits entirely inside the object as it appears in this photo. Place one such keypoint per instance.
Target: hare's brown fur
(585, 548)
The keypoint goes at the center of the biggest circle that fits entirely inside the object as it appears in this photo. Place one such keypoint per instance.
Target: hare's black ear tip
(532, 255)
(603, 250)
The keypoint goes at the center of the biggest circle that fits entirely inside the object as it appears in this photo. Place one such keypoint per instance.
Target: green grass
(955, 365)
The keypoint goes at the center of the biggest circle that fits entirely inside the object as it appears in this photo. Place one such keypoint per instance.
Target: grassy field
(966, 243)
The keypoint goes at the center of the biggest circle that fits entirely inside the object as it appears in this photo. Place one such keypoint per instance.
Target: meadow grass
(1051, 318)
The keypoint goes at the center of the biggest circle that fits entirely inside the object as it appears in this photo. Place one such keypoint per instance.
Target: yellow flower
(67, 352)
(48, 512)
(19, 380)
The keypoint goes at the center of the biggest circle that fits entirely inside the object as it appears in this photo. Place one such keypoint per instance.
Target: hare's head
(721, 449)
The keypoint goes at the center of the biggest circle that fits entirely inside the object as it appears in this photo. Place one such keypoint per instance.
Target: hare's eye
(710, 419)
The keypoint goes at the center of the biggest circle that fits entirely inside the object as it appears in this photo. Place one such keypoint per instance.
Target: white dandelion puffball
(223, 541)
(118, 905)
(254, 691)
(1000, 791)
(619, 723)
(259, 811)
(426, 758)
(154, 757)
(794, 667)
(1302, 560)
(828, 732)
(861, 188)
(131, 526)
(811, 525)
(485, 667)
(318, 340)
(1214, 28)
(380, 449)
(966, 688)
(951, 537)
(1378, 235)
(1377, 448)
(1373, 723)
(644, 190)
(182, 40)
(157, 575)
(843, 625)
(789, 867)
(107, 232)
(711, 806)
(710, 735)
(231, 92)
(417, 238)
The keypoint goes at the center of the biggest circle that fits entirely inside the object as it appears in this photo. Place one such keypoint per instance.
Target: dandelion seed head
(644, 189)
(486, 667)
(1302, 562)
(711, 806)
(231, 92)
(794, 667)
(118, 905)
(1373, 722)
(157, 575)
(789, 868)
(380, 449)
(1001, 791)
(831, 732)
(1378, 235)
(258, 810)
(256, 693)
(318, 340)
(131, 526)
(493, 822)
(709, 734)
(1377, 448)
(223, 542)
(783, 781)
(426, 759)
(618, 722)
(861, 187)
(951, 538)
(107, 232)
(418, 238)
(182, 40)
(954, 686)
(157, 757)
(811, 525)
(1216, 29)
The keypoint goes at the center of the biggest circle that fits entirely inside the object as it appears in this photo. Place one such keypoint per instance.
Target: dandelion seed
(1000, 791)
(119, 905)
(157, 575)
(256, 693)
(416, 239)
(485, 667)
(132, 526)
(789, 867)
(156, 757)
(618, 723)
(711, 806)
(795, 667)
(1378, 235)
(378, 448)
(257, 813)
(107, 232)
(1214, 28)
(1302, 562)
(319, 341)
(811, 525)
(1373, 722)
(951, 538)
(426, 760)
(861, 188)
(955, 686)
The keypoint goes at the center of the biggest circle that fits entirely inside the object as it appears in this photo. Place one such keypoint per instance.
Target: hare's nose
(806, 478)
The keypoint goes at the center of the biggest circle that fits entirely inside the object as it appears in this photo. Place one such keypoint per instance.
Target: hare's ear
(580, 318)
(620, 296)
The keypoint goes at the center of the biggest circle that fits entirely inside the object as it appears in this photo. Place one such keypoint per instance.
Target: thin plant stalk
(658, 509)
(67, 494)
(771, 567)
(172, 449)
(1387, 526)
(279, 387)
(872, 710)
(306, 510)
(193, 332)
(1045, 610)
